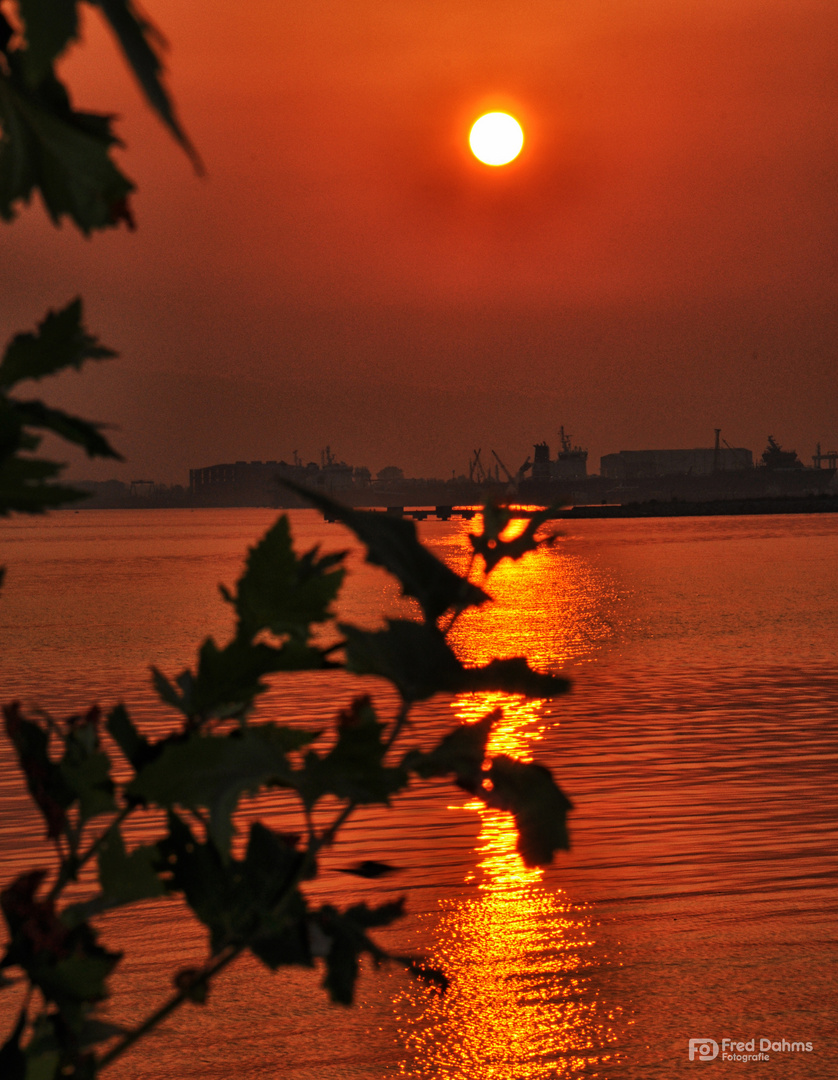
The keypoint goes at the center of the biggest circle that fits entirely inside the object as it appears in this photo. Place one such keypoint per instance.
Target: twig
(211, 968)
(66, 874)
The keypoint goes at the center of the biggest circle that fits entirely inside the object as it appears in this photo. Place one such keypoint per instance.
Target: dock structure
(420, 513)
(828, 456)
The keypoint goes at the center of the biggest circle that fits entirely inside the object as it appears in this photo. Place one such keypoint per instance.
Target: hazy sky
(661, 259)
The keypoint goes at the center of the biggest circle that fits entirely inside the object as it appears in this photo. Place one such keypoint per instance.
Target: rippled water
(698, 745)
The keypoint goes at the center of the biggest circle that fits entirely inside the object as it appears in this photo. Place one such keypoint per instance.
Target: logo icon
(703, 1049)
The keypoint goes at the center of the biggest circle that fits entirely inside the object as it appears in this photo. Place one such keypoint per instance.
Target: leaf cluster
(27, 482)
(250, 894)
(46, 144)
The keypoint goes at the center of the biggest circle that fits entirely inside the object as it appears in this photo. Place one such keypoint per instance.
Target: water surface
(698, 746)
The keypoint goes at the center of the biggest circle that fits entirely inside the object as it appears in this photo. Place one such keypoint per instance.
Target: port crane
(514, 481)
(476, 471)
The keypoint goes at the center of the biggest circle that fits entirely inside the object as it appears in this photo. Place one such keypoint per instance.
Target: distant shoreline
(779, 504)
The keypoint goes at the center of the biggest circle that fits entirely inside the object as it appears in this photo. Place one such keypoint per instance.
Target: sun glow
(496, 138)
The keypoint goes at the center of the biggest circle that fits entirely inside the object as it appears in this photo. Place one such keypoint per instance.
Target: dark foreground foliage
(220, 752)
(250, 895)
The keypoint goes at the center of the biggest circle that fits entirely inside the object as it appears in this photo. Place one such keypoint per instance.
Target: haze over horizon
(660, 261)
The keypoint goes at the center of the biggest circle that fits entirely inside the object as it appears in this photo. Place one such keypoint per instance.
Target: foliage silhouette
(250, 896)
(219, 752)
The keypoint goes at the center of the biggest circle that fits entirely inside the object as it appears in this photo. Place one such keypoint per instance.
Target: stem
(228, 953)
(211, 968)
(65, 874)
(458, 611)
(398, 724)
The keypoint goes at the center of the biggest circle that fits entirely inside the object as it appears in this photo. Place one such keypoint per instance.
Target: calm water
(699, 747)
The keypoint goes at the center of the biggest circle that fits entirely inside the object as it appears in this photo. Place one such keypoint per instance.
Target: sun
(496, 138)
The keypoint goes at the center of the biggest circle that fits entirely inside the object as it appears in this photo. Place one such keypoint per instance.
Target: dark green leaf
(341, 968)
(198, 871)
(539, 806)
(86, 768)
(346, 937)
(255, 901)
(134, 746)
(167, 692)
(47, 145)
(353, 768)
(282, 593)
(414, 656)
(461, 752)
(12, 1058)
(95, 1031)
(43, 1065)
(127, 878)
(417, 659)
(229, 679)
(215, 770)
(49, 29)
(45, 780)
(383, 915)
(70, 428)
(495, 519)
(515, 676)
(392, 543)
(22, 487)
(78, 978)
(141, 43)
(270, 869)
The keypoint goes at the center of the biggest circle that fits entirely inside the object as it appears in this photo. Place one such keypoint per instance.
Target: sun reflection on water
(524, 1000)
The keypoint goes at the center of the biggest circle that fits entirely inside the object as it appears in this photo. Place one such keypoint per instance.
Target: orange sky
(660, 261)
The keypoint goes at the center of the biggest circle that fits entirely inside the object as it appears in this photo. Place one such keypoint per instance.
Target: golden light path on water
(524, 1000)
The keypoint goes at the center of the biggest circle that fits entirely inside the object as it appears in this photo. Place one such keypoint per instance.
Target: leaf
(12, 1058)
(64, 961)
(45, 780)
(353, 768)
(78, 978)
(239, 901)
(493, 548)
(392, 543)
(414, 656)
(347, 940)
(215, 770)
(271, 866)
(134, 746)
(538, 805)
(50, 27)
(42, 1066)
(127, 878)
(383, 915)
(70, 428)
(86, 767)
(136, 35)
(462, 752)
(282, 593)
(22, 488)
(417, 659)
(515, 676)
(229, 679)
(47, 145)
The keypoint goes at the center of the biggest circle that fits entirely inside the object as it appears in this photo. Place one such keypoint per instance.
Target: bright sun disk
(496, 138)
